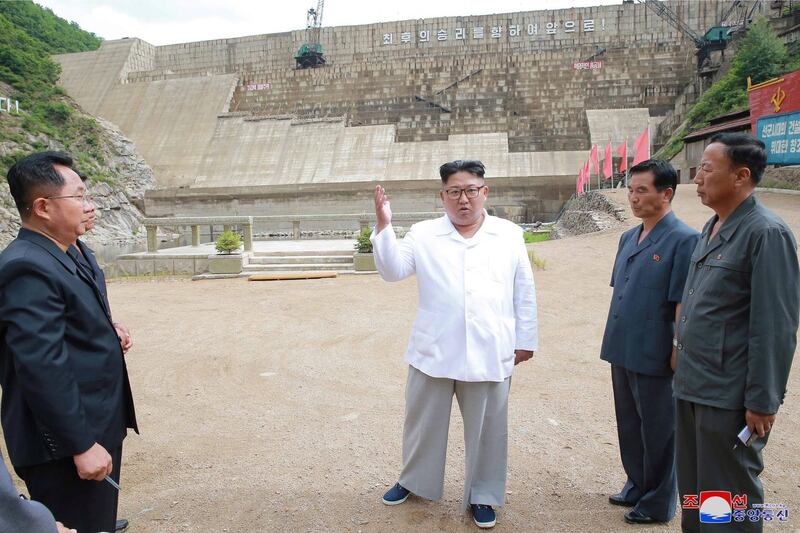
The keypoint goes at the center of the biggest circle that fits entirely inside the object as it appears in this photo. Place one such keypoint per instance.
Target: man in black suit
(67, 401)
(85, 257)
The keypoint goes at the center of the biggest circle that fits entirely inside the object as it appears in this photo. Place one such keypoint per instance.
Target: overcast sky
(176, 21)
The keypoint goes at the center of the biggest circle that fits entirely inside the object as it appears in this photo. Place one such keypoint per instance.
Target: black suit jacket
(84, 256)
(65, 384)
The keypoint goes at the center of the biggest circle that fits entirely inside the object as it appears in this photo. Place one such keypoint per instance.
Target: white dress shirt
(477, 300)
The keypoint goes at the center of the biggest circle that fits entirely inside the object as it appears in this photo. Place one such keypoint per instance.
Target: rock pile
(589, 213)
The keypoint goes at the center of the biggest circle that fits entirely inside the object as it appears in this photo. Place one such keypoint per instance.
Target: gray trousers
(484, 409)
(706, 460)
(645, 412)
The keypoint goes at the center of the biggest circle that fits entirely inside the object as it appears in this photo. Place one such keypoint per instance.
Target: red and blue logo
(715, 507)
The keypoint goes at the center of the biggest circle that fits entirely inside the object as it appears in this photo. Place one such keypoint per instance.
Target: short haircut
(664, 175)
(744, 150)
(461, 165)
(34, 173)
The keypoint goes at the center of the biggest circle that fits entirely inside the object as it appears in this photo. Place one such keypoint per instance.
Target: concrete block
(145, 267)
(164, 266)
(225, 264)
(184, 266)
(126, 267)
(363, 262)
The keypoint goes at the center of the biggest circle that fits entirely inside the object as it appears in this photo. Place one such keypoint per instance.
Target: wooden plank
(293, 275)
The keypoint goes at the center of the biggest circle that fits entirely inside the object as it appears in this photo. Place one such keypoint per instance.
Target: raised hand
(383, 211)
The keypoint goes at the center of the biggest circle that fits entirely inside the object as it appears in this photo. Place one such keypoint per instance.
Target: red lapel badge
(656, 258)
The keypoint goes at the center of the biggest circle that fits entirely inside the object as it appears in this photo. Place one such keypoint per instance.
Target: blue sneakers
(483, 515)
(396, 495)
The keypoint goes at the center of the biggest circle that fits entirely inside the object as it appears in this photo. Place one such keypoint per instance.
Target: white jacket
(477, 300)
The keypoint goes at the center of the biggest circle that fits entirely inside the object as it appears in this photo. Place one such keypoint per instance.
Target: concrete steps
(299, 267)
(301, 259)
(298, 261)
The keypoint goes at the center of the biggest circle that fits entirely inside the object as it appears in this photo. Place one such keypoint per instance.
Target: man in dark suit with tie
(649, 273)
(85, 257)
(67, 401)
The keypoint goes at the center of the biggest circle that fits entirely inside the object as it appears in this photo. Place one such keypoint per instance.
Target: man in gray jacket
(735, 339)
(18, 514)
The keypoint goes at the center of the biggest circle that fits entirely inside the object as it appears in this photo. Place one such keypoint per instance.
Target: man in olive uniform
(736, 336)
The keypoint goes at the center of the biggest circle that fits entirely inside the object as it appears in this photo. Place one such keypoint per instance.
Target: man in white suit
(476, 319)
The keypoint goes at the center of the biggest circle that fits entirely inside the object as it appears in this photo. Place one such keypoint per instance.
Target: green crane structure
(310, 54)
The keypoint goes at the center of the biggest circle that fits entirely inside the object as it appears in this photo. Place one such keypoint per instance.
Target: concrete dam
(232, 127)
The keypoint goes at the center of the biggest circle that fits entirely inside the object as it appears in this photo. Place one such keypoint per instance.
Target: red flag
(579, 182)
(586, 174)
(593, 158)
(641, 149)
(623, 153)
(608, 170)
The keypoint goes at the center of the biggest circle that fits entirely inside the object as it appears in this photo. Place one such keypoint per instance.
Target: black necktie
(86, 272)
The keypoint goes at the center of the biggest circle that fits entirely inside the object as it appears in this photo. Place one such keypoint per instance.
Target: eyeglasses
(85, 198)
(471, 192)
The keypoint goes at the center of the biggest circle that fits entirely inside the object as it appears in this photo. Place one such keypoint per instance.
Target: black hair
(461, 165)
(744, 150)
(664, 175)
(35, 172)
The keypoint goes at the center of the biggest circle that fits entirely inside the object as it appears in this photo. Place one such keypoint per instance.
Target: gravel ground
(278, 406)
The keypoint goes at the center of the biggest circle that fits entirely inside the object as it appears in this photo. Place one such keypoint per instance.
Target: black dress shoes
(121, 525)
(617, 499)
(635, 517)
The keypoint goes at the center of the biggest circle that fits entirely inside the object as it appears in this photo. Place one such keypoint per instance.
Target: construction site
(239, 127)
(279, 405)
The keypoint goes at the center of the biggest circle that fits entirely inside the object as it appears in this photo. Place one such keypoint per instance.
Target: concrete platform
(267, 256)
(277, 246)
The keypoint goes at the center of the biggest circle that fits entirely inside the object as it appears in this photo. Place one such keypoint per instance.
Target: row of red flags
(641, 152)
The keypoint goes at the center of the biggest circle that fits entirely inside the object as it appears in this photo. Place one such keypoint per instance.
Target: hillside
(50, 120)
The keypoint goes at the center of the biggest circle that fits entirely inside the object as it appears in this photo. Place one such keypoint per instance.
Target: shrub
(363, 244)
(57, 112)
(228, 242)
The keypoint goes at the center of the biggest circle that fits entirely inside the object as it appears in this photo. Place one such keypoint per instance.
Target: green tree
(56, 34)
(228, 242)
(25, 64)
(761, 54)
(29, 34)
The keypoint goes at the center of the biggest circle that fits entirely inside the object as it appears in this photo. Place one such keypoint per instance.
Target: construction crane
(664, 11)
(740, 13)
(717, 37)
(310, 54)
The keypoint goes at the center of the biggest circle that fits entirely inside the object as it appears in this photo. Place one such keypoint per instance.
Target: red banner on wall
(587, 65)
(774, 97)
